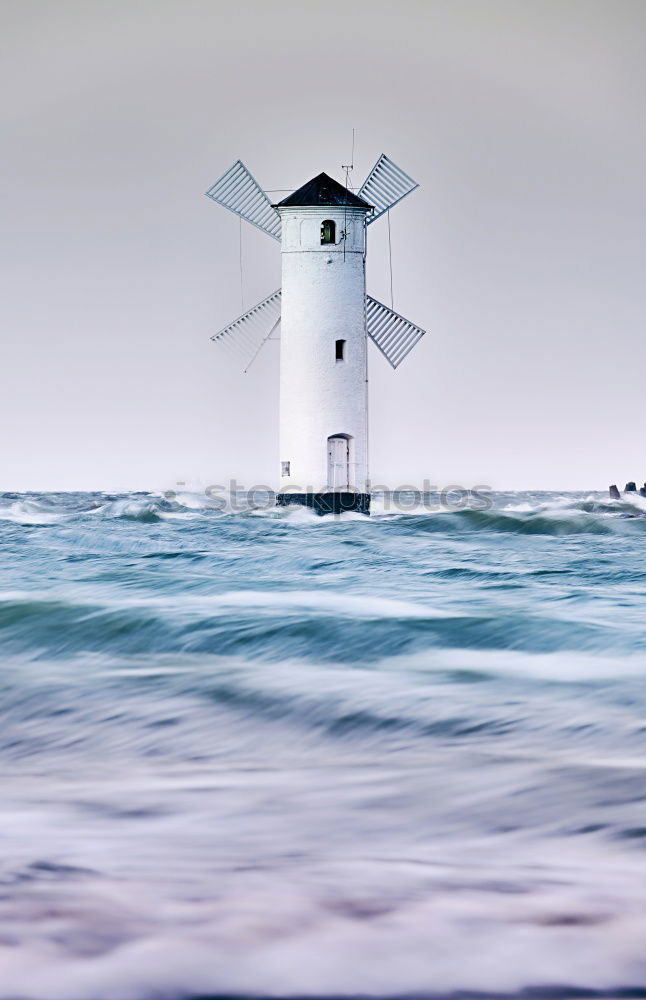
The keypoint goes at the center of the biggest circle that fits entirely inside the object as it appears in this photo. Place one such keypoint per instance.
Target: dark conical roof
(324, 190)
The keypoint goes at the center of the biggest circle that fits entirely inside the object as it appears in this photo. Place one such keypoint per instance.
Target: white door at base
(337, 463)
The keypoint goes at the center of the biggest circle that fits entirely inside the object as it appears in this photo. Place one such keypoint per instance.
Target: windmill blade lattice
(394, 335)
(247, 334)
(385, 186)
(238, 191)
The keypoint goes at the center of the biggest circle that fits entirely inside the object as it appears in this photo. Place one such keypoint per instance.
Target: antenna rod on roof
(349, 166)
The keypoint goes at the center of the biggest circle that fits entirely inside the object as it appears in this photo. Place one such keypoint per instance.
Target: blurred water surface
(271, 754)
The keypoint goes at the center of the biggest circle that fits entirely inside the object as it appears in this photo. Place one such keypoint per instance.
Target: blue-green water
(273, 754)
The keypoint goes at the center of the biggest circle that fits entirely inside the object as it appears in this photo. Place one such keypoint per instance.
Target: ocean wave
(451, 696)
(272, 625)
(559, 521)
(265, 753)
(147, 856)
(145, 511)
(282, 624)
(558, 515)
(548, 935)
(29, 512)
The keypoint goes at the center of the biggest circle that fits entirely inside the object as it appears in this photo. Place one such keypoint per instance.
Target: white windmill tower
(325, 321)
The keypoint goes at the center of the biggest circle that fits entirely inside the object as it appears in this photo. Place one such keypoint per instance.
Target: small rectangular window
(284, 468)
(340, 350)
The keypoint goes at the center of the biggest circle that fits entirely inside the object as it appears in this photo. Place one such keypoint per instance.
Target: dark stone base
(327, 503)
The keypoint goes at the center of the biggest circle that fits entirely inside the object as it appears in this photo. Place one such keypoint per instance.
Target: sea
(249, 751)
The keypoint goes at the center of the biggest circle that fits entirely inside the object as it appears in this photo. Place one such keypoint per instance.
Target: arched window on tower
(328, 231)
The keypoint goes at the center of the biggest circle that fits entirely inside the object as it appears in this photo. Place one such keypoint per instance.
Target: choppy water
(272, 754)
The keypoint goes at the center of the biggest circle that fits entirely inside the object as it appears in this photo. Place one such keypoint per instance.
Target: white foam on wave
(633, 500)
(128, 508)
(192, 505)
(554, 502)
(28, 512)
(292, 602)
(192, 500)
(381, 507)
(188, 515)
(282, 601)
(322, 601)
(301, 514)
(594, 504)
(294, 514)
(580, 923)
(562, 666)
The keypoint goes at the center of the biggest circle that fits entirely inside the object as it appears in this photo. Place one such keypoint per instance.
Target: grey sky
(522, 253)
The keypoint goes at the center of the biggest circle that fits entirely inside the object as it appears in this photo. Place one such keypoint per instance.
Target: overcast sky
(522, 252)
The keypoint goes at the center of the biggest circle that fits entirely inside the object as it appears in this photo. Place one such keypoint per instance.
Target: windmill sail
(385, 186)
(247, 334)
(238, 191)
(394, 335)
